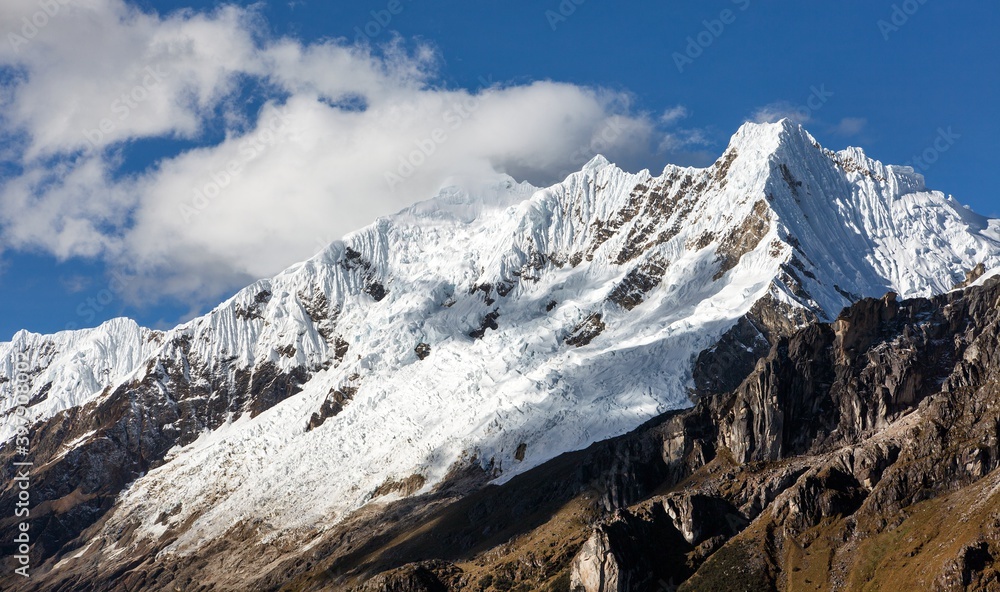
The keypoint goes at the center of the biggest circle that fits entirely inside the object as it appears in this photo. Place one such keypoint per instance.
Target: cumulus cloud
(682, 144)
(103, 61)
(850, 126)
(340, 135)
(779, 110)
(674, 114)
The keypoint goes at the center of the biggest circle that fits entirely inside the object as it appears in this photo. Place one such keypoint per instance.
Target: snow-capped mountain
(494, 327)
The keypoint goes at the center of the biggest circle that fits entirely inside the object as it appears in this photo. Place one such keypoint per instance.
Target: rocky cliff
(855, 452)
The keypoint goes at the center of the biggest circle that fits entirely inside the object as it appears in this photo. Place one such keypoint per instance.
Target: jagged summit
(769, 138)
(487, 329)
(597, 163)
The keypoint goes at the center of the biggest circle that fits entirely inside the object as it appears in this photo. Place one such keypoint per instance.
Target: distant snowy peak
(848, 223)
(847, 207)
(854, 221)
(67, 369)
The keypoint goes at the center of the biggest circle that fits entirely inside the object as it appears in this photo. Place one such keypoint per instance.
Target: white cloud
(315, 163)
(676, 142)
(673, 114)
(779, 110)
(851, 126)
(141, 75)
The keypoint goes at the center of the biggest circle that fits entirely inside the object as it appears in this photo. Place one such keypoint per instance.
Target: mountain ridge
(497, 331)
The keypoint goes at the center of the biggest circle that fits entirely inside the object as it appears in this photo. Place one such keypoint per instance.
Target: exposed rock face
(744, 238)
(972, 275)
(631, 291)
(683, 527)
(586, 331)
(841, 431)
(126, 434)
(432, 576)
(596, 567)
(724, 366)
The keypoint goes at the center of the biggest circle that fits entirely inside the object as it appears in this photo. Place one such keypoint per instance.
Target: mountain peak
(597, 163)
(492, 327)
(771, 135)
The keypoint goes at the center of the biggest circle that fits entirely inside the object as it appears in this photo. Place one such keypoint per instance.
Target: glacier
(496, 326)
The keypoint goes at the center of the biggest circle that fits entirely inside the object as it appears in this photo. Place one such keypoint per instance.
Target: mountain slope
(890, 460)
(860, 455)
(491, 329)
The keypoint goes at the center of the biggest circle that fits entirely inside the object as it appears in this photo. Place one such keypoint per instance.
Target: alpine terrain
(777, 372)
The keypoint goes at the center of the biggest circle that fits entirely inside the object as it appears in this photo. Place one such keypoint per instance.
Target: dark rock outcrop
(586, 330)
(837, 434)
(125, 434)
(432, 576)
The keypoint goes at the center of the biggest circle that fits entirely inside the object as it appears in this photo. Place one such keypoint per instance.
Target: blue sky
(891, 76)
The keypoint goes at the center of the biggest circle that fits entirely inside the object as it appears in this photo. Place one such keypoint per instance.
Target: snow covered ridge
(502, 325)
